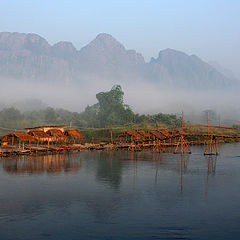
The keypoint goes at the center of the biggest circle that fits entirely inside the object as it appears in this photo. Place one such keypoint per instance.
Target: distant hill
(226, 72)
(30, 58)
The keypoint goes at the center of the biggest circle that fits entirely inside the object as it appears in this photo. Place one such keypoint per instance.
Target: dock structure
(20, 138)
(43, 139)
(50, 139)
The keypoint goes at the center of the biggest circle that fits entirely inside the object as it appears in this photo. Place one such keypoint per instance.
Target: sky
(208, 28)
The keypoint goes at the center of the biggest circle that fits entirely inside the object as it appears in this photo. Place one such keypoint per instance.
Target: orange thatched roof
(56, 133)
(74, 133)
(157, 134)
(39, 134)
(144, 133)
(131, 133)
(20, 136)
(180, 132)
(166, 133)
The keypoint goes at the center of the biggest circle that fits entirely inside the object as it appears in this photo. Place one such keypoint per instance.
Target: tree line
(109, 111)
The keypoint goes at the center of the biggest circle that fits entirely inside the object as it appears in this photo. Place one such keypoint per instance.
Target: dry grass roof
(74, 133)
(56, 133)
(144, 133)
(39, 134)
(20, 136)
(157, 134)
(131, 133)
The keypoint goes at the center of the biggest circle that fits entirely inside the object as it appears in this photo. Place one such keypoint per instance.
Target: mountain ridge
(32, 58)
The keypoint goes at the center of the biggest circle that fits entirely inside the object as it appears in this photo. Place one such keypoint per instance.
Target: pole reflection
(211, 169)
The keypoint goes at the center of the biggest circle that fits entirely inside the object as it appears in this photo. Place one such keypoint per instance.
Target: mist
(142, 97)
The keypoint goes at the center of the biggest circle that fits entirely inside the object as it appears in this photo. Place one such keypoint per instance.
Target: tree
(10, 114)
(112, 110)
(50, 115)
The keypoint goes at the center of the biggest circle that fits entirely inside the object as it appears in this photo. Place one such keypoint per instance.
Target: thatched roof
(56, 133)
(157, 134)
(180, 132)
(166, 133)
(39, 134)
(144, 134)
(20, 136)
(73, 133)
(131, 133)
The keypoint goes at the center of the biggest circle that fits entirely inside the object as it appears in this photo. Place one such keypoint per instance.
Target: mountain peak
(171, 52)
(105, 36)
(19, 41)
(63, 49)
(104, 41)
(106, 50)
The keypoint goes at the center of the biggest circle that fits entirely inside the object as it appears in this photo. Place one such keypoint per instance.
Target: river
(121, 195)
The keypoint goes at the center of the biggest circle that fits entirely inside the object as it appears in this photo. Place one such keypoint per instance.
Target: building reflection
(42, 164)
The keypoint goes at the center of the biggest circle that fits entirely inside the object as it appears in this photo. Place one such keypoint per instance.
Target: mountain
(110, 58)
(226, 72)
(30, 58)
(176, 68)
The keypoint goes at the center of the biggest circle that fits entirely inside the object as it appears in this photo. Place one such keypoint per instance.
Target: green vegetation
(109, 113)
(108, 117)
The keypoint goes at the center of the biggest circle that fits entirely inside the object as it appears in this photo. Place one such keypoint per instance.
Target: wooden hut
(20, 137)
(40, 136)
(57, 135)
(73, 134)
(147, 136)
(130, 136)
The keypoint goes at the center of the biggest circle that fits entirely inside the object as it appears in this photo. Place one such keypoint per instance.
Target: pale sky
(207, 28)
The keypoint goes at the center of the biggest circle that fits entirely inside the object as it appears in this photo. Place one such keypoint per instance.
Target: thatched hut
(40, 135)
(20, 137)
(145, 134)
(131, 136)
(157, 134)
(57, 135)
(73, 134)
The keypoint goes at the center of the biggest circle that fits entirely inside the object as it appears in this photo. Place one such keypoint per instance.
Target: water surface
(121, 195)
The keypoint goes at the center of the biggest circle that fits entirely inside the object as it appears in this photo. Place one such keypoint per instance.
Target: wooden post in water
(182, 119)
(111, 137)
(212, 142)
(12, 142)
(182, 143)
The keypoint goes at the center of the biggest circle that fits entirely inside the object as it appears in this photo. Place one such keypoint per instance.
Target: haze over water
(121, 195)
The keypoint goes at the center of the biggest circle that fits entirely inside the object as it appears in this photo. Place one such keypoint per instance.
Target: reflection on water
(109, 169)
(211, 168)
(41, 164)
(121, 195)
